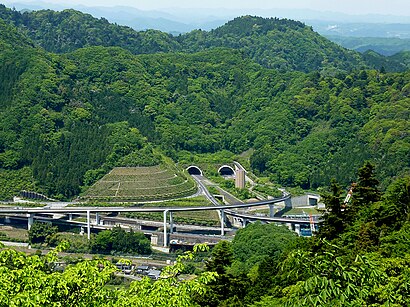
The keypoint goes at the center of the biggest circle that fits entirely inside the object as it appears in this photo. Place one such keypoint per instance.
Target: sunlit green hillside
(141, 184)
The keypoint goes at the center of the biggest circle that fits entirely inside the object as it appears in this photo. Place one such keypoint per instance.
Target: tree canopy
(31, 280)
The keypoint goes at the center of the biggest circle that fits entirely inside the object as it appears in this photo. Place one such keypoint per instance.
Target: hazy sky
(385, 7)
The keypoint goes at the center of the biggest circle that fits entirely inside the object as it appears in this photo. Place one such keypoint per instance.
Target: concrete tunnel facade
(226, 170)
(194, 170)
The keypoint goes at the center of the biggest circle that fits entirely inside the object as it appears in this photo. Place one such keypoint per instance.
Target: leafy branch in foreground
(29, 280)
(168, 290)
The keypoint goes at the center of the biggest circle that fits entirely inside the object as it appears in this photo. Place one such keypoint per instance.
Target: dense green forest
(114, 241)
(67, 118)
(69, 30)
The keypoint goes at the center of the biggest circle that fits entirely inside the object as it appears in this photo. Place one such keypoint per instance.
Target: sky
(356, 7)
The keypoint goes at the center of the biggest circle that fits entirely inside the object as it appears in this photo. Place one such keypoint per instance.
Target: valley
(136, 138)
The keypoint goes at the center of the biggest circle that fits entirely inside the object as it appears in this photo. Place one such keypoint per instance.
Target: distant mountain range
(271, 42)
(357, 32)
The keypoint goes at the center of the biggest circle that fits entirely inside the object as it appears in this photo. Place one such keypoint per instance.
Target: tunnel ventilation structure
(226, 170)
(194, 170)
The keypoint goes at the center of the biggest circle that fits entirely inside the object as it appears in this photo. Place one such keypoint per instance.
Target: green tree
(226, 289)
(221, 257)
(102, 242)
(365, 192)
(30, 280)
(394, 209)
(257, 241)
(39, 232)
(118, 240)
(333, 221)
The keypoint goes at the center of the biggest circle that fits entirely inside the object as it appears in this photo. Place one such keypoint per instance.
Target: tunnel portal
(194, 170)
(226, 170)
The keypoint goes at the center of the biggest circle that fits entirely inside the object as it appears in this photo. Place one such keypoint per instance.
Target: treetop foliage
(118, 240)
(30, 280)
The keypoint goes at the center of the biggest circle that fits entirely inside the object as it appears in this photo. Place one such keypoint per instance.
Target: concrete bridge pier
(171, 223)
(271, 210)
(297, 229)
(165, 229)
(154, 240)
(237, 222)
(70, 216)
(97, 218)
(88, 225)
(30, 220)
(245, 222)
(222, 217)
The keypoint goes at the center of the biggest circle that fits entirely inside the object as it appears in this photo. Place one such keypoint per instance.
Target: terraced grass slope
(142, 184)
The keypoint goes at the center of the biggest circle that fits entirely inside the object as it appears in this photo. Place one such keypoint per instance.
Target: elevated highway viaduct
(166, 211)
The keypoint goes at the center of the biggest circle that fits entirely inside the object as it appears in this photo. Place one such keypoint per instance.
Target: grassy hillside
(141, 184)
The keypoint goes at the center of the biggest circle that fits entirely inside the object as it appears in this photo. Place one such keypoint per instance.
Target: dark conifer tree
(333, 222)
(365, 192)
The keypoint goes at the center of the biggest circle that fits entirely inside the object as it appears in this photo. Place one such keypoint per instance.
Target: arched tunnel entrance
(194, 170)
(226, 170)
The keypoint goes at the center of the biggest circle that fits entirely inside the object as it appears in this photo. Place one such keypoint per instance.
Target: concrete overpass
(223, 209)
(196, 173)
(292, 223)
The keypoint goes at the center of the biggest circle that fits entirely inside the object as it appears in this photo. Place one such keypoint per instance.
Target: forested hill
(274, 43)
(397, 62)
(10, 37)
(69, 30)
(66, 119)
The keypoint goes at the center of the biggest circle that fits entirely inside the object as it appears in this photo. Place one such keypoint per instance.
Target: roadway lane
(199, 179)
(25, 210)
